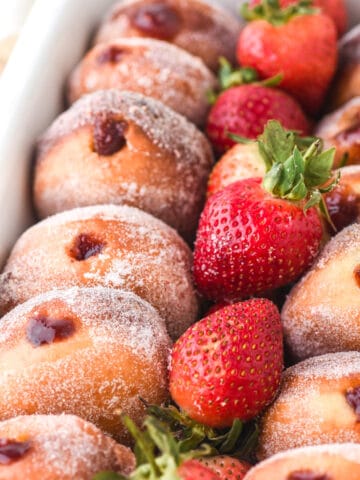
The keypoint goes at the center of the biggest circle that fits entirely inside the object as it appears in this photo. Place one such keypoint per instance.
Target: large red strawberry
(228, 366)
(227, 468)
(240, 162)
(257, 235)
(302, 47)
(336, 9)
(245, 110)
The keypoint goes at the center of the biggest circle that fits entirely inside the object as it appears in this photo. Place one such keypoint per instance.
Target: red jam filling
(112, 54)
(109, 136)
(342, 206)
(357, 274)
(86, 246)
(353, 399)
(11, 451)
(156, 20)
(44, 330)
(307, 475)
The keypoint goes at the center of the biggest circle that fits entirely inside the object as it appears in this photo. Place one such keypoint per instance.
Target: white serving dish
(31, 91)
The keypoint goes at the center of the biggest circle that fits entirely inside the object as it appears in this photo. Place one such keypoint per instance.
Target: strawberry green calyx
(158, 453)
(234, 77)
(271, 11)
(239, 441)
(295, 174)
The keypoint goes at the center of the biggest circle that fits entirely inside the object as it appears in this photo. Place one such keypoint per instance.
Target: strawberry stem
(271, 11)
(296, 174)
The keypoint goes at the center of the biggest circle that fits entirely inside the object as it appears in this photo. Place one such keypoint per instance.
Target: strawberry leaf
(279, 142)
(108, 476)
(318, 168)
(271, 11)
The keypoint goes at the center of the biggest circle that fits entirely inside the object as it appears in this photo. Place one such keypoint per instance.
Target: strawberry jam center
(11, 451)
(357, 275)
(353, 399)
(109, 136)
(307, 475)
(44, 330)
(342, 206)
(86, 246)
(157, 20)
(112, 54)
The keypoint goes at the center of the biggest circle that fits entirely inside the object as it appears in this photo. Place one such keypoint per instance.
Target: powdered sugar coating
(151, 67)
(201, 27)
(329, 454)
(322, 314)
(62, 446)
(311, 408)
(162, 169)
(140, 254)
(117, 354)
(164, 127)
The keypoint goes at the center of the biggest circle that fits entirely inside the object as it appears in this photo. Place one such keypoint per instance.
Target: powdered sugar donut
(151, 67)
(49, 447)
(319, 403)
(124, 148)
(325, 462)
(88, 352)
(202, 29)
(322, 312)
(112, 246)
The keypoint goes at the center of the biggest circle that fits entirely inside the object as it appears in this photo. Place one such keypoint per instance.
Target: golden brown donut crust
(162, 167)
(325, 462)
(116, 353)
(132, 251)
(204, 30)
(313, 406)
(322, 312)
(150, 67)
(62, 446)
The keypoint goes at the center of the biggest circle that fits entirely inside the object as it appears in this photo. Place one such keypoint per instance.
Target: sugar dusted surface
(311, 407)
(151, 67)
(321, 315)
(203, 42)
(63, 446)
(142, 254)
(85, 374)
(164, 127)
(347, 451)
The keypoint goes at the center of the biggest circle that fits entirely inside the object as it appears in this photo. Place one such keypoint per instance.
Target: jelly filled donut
(88, 352)
(319, 403)
(124, 148)
(50, 447)
(155, 69)
(325, 462)
(341, 129)
(112, 246)
(322, 312)
(204, 30)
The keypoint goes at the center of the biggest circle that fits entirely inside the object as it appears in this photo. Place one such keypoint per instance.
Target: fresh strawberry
(246, 109)
(194, 470)
(302, 47)
(336, 9)
(228, 366)
(227, 468)
(240, 162)
(255, 236)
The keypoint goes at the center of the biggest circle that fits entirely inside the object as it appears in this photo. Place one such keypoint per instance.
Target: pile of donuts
(94, 294)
